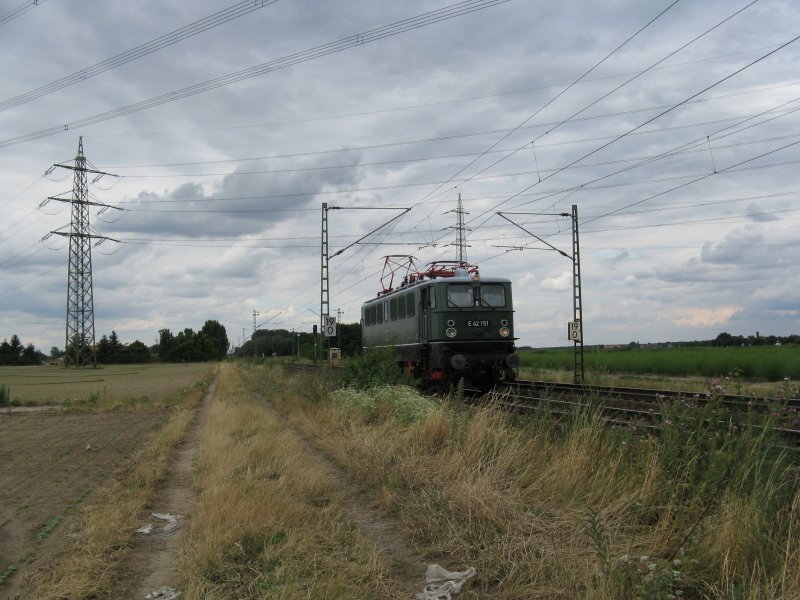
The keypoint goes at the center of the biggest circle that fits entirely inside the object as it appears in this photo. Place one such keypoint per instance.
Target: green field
(763, 363)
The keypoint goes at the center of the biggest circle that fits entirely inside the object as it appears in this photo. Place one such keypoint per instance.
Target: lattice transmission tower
(461, 232)
(79, 347)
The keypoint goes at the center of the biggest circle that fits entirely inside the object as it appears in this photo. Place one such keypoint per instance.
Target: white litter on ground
(165, 593)
(168, 529)
(443, 584)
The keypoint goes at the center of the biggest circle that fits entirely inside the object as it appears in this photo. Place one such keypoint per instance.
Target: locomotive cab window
(459, 295)
(493, 296)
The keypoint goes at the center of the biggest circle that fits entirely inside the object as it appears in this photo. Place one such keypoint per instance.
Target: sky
(673, 127)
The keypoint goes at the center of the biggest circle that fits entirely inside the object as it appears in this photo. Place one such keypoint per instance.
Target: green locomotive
(445, 324)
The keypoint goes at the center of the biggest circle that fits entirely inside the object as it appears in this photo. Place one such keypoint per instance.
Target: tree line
(15, 353)
(210, 343)
(282, 342)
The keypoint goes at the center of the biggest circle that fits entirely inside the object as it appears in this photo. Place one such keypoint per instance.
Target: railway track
(623, 404)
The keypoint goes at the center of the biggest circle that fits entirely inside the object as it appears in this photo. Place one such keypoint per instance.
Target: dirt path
(407, 566)
(152, 562)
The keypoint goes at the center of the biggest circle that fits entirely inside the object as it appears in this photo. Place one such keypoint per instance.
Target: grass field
(109, 386)
(762, 363)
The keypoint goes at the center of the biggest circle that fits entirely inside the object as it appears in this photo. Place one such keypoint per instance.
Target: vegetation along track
(621, 405)
(624, 403)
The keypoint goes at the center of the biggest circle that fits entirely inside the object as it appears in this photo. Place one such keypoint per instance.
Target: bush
(399, 402)
(376, 367)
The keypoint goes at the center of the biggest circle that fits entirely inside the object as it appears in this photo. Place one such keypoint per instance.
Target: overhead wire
(420, 159)
(20, 10)
(661, 114)
(187, 31)
(619, 87)
(359, 39)
(585, 74)
(417, 106)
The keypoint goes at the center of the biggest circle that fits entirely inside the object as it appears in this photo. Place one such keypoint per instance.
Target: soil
(49, 464)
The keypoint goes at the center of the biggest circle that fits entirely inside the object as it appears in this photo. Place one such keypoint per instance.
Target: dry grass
(100, 535)
(104, 388)
(267, 522)
(568, 509)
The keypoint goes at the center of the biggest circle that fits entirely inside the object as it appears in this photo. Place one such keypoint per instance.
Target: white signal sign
(574, 331)
(329, 329)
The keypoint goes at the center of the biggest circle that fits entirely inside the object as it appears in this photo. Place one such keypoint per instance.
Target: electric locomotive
(446, 323)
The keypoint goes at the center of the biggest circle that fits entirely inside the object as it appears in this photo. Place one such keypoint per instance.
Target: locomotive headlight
(450, 323)
(504, 322)
(451, 332)
(504, 331)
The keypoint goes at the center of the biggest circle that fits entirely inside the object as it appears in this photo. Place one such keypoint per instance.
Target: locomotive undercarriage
(442, 364)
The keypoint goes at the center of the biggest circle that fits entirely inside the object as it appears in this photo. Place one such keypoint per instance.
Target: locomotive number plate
(477, 323)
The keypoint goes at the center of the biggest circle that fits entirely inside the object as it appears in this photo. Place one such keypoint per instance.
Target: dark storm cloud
(242, 203)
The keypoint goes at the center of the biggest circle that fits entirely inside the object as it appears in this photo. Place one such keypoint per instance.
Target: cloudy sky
(679, 145)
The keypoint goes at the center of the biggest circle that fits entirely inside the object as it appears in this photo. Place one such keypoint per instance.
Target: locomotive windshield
(459, 295)
(466, 295)
(493, 296)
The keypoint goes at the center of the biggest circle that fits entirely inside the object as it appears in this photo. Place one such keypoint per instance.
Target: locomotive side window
(385, 312)
(410, 304)
(401, 307)
(459, 295)
(393, 308)
(493, 295)
(432, 292)
(378, 313)
(373, 314)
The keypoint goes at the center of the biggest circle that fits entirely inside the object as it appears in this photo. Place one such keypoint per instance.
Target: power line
(419, 159)
(19, 10)
(435, 103)
(545, 193)
(551, 101)
(359, 39)
(620, 86)
(219, 18)
(661, 114)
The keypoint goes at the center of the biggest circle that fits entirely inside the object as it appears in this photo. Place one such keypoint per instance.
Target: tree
(136, 352)
(166, 346)
(349, 339)
(215, 332)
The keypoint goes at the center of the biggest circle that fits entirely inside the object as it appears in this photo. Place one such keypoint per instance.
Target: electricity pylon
(79, 348)
(461, 233)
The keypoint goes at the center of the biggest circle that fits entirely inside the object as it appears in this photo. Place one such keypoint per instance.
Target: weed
(599, 538)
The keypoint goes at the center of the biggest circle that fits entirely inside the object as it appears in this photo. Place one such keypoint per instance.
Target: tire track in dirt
(152, 563)
(407, 566)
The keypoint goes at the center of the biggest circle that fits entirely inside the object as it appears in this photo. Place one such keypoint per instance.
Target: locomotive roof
(435, 280)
